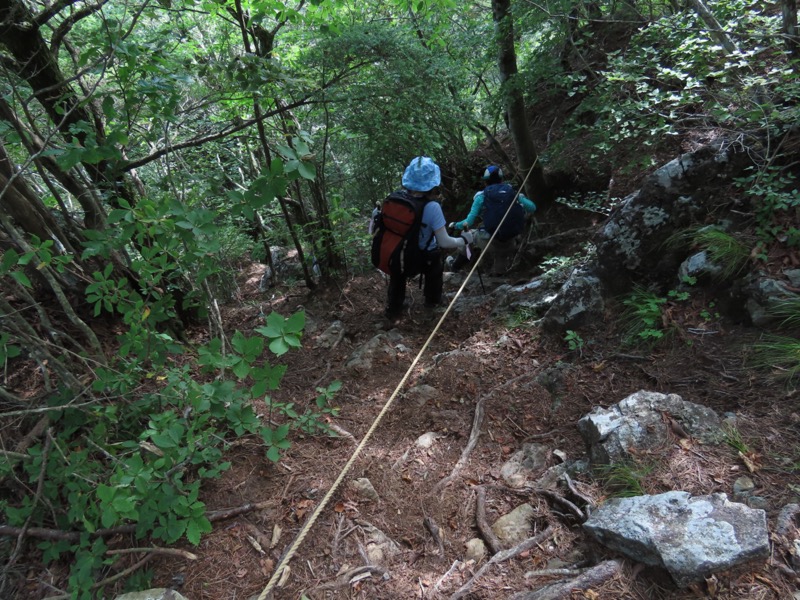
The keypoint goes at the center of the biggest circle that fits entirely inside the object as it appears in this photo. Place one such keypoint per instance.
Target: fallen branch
(441, 579)
(502, 556)
(586, 500)
(475, 433)
(155, 550)
(551, 572)
(590, 578)
(483, 525)
(343, 432)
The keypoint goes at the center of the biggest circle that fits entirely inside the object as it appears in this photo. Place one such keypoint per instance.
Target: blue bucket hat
(421, 175)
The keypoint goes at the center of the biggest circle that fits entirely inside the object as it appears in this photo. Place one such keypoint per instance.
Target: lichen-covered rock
(642, 422)
(524, 463)
(762, 295)
(690, 537)
(579, 301)
(632, 244)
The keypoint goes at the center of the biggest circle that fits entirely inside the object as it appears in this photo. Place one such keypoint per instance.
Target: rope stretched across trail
(295, 545)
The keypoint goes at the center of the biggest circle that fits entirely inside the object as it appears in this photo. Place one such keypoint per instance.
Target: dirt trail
(502, 367)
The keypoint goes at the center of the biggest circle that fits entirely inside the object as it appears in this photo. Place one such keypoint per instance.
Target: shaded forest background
(149, 149)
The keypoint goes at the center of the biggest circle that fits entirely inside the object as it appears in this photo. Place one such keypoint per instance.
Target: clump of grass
(522, 317)
(724, 250)
(624, 479)
(788, 311)
(733, 438)
(727, 252)
(780, 354)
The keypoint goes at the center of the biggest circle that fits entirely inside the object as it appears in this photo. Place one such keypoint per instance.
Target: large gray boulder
(633, 242)
(643, 421)
(690, 537)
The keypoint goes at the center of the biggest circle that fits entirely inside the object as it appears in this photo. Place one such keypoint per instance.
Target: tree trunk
(789, 9)
(35, 63)
(711, 22)
(535, 186)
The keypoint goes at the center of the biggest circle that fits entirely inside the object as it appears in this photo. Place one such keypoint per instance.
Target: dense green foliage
(146, 149)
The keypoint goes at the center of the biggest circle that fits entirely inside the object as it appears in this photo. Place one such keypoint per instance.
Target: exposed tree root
(475, 432)
(502, 556)
(483, 525)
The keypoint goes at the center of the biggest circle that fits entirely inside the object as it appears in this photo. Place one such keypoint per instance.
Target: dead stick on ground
(589, 578)
(343, 432)
(502, 556)
(445, 576)
(483, 524)
(551, 572)
(155, 550)
(352, 576)
(473, 441)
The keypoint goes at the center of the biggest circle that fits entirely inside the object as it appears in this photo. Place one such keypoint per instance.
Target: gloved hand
(468, 237)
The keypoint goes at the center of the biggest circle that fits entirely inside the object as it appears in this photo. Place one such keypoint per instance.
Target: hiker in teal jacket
(491, 211)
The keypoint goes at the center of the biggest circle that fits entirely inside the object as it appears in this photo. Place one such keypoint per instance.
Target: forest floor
(705, 361)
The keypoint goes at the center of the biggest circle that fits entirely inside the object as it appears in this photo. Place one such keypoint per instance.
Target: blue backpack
(496, 200)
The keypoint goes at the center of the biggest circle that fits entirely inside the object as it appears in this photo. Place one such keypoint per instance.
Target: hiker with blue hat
(502, 211)
(421, 180)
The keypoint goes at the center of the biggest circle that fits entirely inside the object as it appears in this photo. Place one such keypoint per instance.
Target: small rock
(757, 502)
(331, 335)
(743, 486)
(426, 440)
(476, 550)
(421, 394)
(531, 459)
(364, 488)
(514, 527)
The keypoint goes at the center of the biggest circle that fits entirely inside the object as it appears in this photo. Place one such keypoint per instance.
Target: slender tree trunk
(535, 186)
(716, 29)
(789, 9)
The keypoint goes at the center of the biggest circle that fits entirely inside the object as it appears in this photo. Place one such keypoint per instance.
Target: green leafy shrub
(642, 318)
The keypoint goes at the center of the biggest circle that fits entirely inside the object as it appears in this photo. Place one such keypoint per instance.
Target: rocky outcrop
(633, 242)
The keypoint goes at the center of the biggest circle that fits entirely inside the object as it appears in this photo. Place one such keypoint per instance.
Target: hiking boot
(393, 315)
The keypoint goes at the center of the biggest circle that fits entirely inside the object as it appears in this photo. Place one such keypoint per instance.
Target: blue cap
(421, 175)
(493, 172)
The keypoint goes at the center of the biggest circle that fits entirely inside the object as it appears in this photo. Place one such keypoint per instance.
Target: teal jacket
(477, 209)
